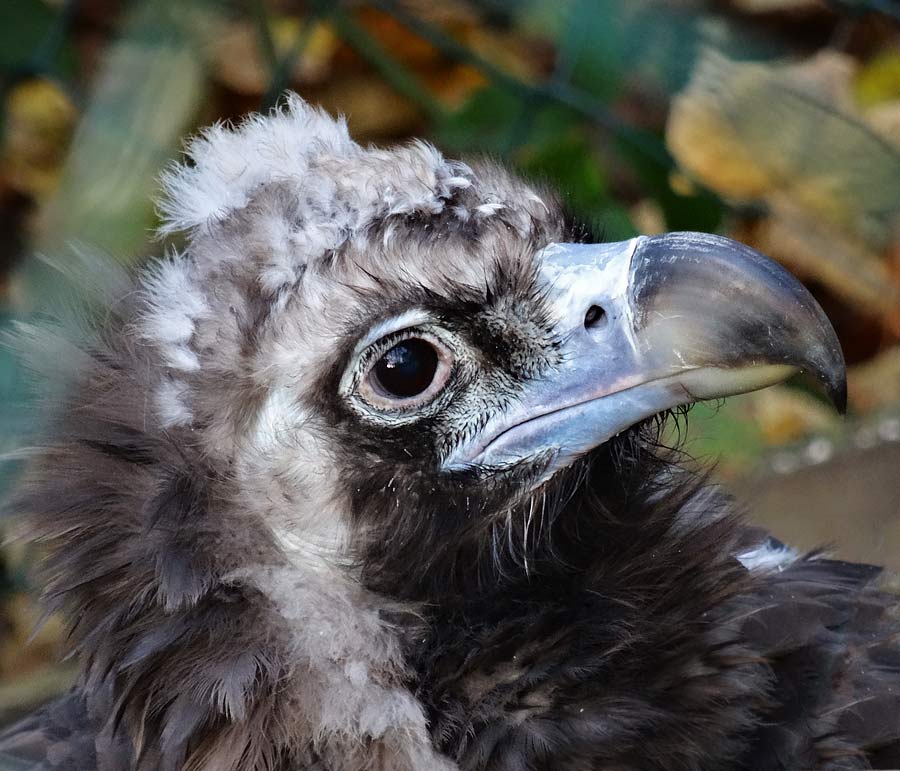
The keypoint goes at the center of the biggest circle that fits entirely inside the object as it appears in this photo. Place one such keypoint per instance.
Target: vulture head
(366, 474)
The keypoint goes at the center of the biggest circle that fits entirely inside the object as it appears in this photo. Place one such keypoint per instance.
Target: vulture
(370, 473)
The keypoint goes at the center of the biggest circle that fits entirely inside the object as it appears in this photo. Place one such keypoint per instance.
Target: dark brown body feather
(633, 644)
(634, 640)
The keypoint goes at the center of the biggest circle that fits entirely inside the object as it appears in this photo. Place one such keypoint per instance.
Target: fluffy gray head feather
(197, 537)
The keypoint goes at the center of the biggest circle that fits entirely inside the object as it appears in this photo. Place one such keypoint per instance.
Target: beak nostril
(595, 317)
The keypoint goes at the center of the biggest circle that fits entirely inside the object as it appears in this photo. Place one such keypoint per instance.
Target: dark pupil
(407, 369)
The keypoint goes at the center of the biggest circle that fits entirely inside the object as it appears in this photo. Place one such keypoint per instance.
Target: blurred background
(776, 122)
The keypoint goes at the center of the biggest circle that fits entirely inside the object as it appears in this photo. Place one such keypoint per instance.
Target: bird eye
(408, 374)
(407, 369)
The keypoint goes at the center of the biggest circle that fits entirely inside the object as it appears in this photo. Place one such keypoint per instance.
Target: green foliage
(720, 432)
(546, 141)
(592, 53)
(30, 38)
(488, 123)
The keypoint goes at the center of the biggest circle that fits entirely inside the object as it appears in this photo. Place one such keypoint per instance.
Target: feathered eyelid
(414, 317)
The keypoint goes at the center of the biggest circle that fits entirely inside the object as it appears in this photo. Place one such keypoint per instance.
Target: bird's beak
(650, 324)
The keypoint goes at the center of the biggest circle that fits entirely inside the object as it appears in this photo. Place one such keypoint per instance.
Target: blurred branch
(397, 76)
(556, 90)
(283, 66)
(264, 32)
(569, 45)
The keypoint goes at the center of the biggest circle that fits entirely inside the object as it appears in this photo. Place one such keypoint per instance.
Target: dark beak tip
(831, 373)
(789, 323)
(837, 393)
(835, 375)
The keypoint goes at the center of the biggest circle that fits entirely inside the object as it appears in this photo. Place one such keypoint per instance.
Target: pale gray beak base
(650, 324)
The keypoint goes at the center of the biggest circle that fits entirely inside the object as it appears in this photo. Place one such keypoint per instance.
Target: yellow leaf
(40, 119)
(752, 132)
(875, 384)
(879, 80)
(785, 415)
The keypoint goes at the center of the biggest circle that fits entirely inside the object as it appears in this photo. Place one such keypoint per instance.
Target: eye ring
(410, 371)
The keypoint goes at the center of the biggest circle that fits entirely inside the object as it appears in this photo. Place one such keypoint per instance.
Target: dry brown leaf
(237, 59)
(785, 415)
(648, 217)
(702, 139)
(813, 249)
(751, 131)
(875, 385)
(445, 13)
(455, 85)
(504, 50)
(373, 109)
(403, 44)
(19, 652)
(782, 135)
(827, 76)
